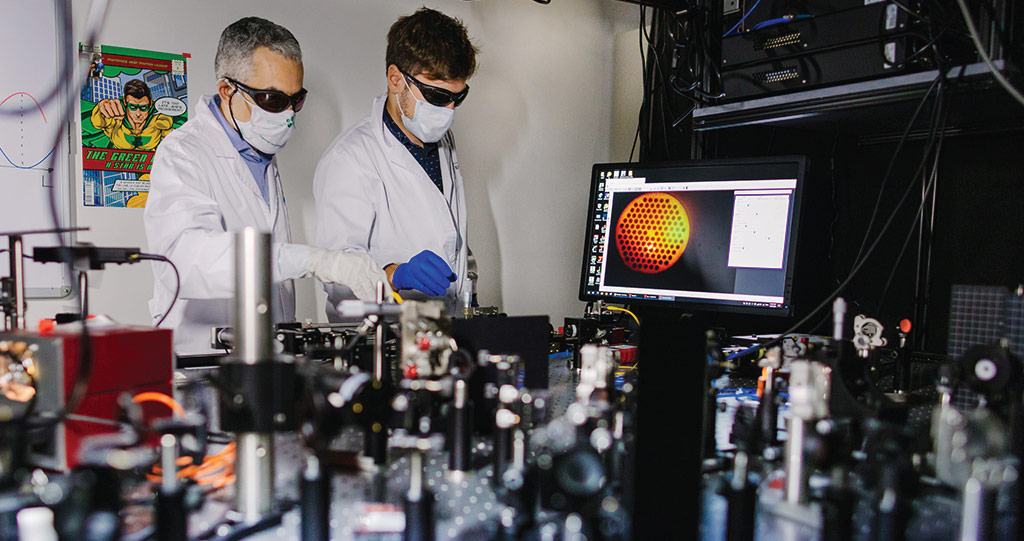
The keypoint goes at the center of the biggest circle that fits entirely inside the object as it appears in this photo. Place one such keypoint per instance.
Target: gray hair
(243, 37)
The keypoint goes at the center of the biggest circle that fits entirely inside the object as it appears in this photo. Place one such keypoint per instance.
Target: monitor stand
(669, 431)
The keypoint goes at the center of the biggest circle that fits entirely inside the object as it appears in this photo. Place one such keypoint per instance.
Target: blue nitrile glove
(425, 272)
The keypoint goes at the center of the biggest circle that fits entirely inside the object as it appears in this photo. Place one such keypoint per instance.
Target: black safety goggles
(438, 96)
(273, 101)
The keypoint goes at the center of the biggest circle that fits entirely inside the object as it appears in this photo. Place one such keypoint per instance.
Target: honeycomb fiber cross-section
(652, 232)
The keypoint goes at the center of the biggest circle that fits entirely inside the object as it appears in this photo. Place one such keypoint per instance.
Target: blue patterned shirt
(427, 155)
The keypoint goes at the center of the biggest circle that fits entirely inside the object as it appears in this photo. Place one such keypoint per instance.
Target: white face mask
(266, 132)
(429, 122)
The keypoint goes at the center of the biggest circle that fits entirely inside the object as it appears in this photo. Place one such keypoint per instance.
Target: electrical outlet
(730, 6)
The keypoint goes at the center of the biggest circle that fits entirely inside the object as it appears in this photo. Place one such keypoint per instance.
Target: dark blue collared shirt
(427, 156)
(256, 161)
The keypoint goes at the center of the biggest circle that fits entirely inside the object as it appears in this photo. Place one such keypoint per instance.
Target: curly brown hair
(433, 43)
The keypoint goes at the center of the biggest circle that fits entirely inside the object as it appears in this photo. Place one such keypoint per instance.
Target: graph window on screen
(716, 235)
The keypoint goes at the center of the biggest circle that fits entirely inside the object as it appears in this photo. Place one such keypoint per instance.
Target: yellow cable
(626, 311)
(398, 298)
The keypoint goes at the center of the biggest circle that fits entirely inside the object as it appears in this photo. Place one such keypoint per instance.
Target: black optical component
(438, 96)
(273, 101)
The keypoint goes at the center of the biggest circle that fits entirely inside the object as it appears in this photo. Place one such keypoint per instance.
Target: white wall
(538, 117)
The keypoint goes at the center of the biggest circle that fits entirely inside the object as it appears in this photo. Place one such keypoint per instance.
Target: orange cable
(161, 398)
(214, 468)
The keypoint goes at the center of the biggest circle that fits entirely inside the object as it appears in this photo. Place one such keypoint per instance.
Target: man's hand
(111, 109)
(425, 272)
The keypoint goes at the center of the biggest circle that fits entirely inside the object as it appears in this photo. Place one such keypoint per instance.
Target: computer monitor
(714, 235)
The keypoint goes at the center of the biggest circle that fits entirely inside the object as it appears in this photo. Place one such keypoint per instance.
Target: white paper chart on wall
(32, 47)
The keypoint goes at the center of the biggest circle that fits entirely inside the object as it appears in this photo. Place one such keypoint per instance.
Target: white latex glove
(357, 270)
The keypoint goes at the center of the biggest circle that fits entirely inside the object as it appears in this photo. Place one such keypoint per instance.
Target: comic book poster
(131, 99)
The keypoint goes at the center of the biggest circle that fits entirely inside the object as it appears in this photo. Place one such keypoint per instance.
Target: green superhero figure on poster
(132, 123)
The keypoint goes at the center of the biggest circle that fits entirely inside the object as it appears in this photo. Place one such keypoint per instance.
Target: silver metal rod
(838, 317)
(253, 317)
(17, 254)
(974, 519)
(312, 471)
(254, 344)
(378, 339)
(519, 450)
(168, 465)
(740, 471)
(415, 493)
(796, 474)
(378, 352)
(460, 394)
(254, 468)
(83, 292)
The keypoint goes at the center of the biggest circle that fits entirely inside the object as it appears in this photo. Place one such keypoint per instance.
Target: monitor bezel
(694, 306)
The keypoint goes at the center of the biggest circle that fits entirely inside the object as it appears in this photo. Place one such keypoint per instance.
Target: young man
(217, 174)
(391, 185)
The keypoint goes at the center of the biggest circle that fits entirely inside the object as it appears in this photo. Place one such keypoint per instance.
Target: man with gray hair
(217, 174)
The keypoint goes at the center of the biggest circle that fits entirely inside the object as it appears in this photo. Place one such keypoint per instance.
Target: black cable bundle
(680, 70)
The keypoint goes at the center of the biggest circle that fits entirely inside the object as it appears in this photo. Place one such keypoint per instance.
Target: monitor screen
(702, 235)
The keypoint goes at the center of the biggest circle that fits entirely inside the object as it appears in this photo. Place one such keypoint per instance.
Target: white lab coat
(372, 195)
(201, 192)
